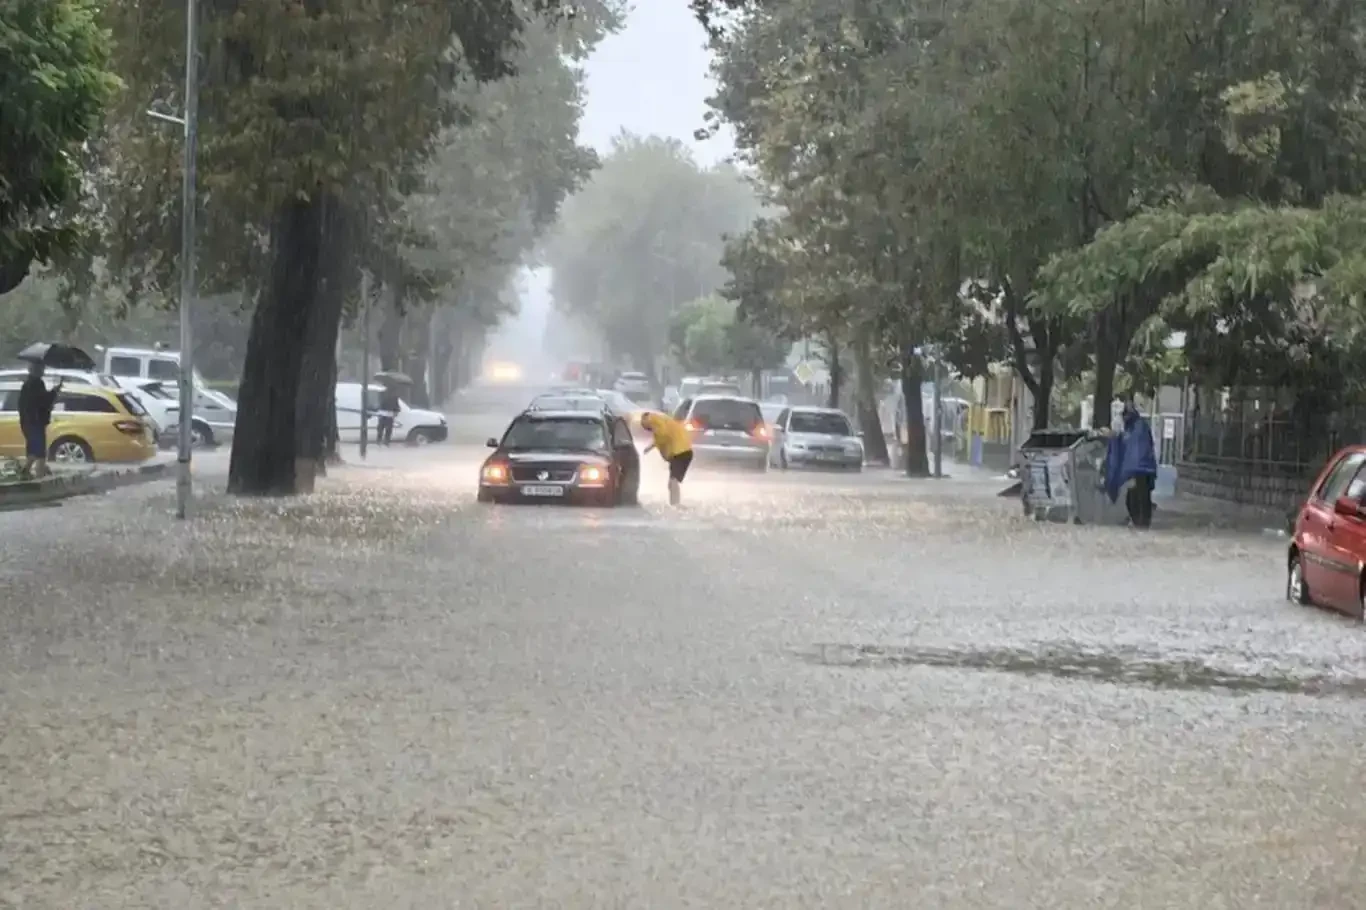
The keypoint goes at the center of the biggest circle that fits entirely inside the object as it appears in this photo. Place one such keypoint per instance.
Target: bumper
(731, 456)
(571, 494)
(808, 459)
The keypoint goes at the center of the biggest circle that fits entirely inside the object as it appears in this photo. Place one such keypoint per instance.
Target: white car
(816, 437)
(635, 386)
(415, 426)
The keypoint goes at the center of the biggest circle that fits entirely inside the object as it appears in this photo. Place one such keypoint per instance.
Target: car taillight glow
(691, 426)
(495, 474)
(131, 427)
(761, 431)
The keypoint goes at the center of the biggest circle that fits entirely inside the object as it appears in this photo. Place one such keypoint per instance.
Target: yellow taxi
(89, 424)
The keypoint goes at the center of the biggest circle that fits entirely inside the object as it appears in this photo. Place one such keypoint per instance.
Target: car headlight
(495, 474)
(592, 476)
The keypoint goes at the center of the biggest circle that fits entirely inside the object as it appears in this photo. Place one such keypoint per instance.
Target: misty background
(646, 80)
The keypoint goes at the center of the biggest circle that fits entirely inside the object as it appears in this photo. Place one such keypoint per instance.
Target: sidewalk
(1200, 511)
(67, 481)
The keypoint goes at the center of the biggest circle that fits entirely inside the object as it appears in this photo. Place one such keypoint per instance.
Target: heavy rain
(717, 454)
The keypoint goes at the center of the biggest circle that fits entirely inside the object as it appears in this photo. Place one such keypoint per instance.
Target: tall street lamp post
(190, 123)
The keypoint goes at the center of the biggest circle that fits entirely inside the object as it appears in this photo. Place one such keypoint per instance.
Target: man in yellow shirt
(674, 442)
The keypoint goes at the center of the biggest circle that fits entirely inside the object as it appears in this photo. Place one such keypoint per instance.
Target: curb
(51, 490)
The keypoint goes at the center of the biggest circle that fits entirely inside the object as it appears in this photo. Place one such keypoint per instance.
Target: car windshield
(570, 433)
(824, 423)
(726, 414)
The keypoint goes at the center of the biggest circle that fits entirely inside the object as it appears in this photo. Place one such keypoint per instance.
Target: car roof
(739, 398)
(83, 388)
(535, 414)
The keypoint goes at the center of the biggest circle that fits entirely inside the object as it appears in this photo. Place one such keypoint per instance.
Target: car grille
(555, 473)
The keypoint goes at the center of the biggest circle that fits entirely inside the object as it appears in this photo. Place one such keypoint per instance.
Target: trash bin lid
(1062, 438)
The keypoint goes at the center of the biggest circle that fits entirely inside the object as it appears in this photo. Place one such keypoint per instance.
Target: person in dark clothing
(1132, 460)
(35, 413)
(388, 410)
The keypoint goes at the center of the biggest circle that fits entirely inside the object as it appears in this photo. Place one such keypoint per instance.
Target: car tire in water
(484, 496)
(201, 435)
(70, 450)
(630, 496)
(1296, 590)
(419, 437)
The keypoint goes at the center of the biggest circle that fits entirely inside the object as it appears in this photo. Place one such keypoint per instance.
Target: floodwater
(799, 690)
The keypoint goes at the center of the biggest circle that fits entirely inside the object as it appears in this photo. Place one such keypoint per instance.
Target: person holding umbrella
(35, 413)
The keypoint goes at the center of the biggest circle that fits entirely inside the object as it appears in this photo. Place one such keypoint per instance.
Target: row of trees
(638, 252)
(426, 143)
(1062, 185)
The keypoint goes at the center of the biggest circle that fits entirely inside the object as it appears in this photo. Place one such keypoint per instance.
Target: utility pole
(364, 361)
(938, 416)
(183, 485)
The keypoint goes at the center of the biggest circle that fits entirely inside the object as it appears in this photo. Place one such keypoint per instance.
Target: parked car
(164, 417)
(579, 456)
(215, 414)
(89, 424)
(635, 386)
(1326, 562)
(694, 386)
(726, 430)
(415, 426)
(816, 437)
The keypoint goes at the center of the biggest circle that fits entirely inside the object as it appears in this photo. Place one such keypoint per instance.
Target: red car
(1327, 559)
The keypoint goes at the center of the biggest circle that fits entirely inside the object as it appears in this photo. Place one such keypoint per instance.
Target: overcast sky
(652, 77)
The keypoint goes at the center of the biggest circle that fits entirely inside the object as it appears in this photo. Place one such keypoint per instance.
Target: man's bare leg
(675, 492)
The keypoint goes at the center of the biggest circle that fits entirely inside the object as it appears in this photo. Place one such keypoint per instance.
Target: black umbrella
(58, 356)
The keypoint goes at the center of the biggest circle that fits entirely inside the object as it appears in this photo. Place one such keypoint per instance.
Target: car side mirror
(1345, 505)
(491, 443)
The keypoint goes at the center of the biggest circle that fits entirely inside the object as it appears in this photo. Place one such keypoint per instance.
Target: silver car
(726, 431)
(816, 437)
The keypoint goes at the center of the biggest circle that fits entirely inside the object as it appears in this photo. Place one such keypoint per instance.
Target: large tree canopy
(915, 148)
(54, 83)
(316, 116)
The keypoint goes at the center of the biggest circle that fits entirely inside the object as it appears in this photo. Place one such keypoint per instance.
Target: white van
(215, 414)
(414, 426)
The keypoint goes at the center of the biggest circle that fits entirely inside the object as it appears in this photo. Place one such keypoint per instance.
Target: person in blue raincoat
(1132, 456)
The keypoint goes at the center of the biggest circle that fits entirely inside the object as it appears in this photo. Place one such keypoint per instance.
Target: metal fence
(1270, 444)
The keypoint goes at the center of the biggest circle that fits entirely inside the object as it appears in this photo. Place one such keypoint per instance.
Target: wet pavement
(799, 690)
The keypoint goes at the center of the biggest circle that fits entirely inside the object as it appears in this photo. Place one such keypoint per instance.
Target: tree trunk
(912, 377)
(315, 403)
(836, 371)
(391, 328)
(264, 452)
(1107, 359)
(874, 443)
(1043, 397)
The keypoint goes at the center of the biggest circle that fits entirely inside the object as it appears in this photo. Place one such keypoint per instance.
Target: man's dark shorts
(678, 466)
(35, 442)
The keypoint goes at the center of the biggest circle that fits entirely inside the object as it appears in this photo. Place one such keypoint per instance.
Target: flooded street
(799, 690)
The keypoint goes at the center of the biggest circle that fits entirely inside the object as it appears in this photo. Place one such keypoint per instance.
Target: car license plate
(543, 491)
